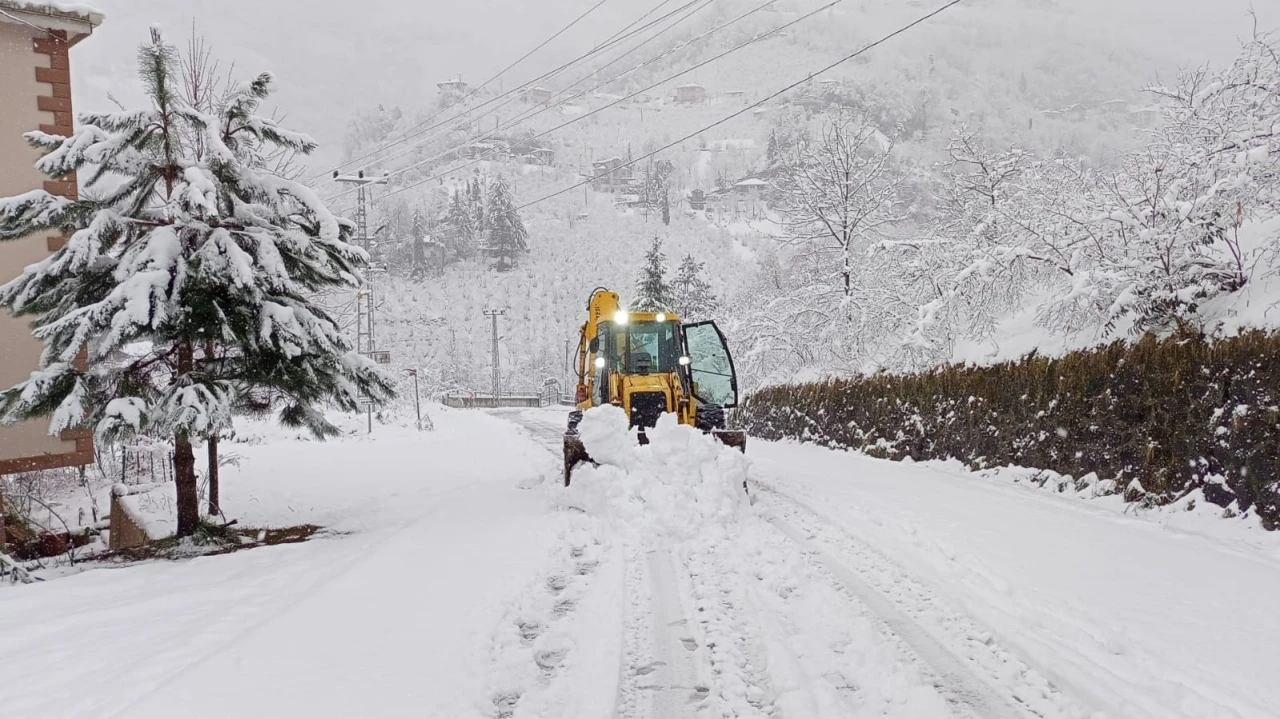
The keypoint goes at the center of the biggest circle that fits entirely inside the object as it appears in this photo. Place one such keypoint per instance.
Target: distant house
(1115, 107)
(736, 95)
(697, 200)
(453, 87)
(484, 151)
(1145, 117)
(691, 93)
(612, 175)
(810, 103)
(540, 156)
(537, 95)
(751, 188)
(829, 85)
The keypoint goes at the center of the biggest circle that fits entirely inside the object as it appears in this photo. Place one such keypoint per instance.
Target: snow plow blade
(575, 452)
(735, 438)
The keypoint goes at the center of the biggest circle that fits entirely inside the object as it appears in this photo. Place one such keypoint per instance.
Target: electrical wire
(546, 107)
(752, 106)
(419, 128)
(602, 108)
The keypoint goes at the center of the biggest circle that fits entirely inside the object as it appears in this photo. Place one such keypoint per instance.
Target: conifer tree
(653, 294)
(692, 297)
(508, 237)
(186, 278)
(418, 236)
(459, 221)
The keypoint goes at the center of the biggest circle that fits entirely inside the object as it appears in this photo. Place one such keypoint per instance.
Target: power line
(528, 115)
(584, 116)
(419, 129)
(722, 120)
(512, 95)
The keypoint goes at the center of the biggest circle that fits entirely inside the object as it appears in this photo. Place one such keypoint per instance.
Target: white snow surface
(459, 578)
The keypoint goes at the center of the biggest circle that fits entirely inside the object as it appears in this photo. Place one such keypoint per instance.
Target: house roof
(53, 14)
(690, 86)
(751, 182)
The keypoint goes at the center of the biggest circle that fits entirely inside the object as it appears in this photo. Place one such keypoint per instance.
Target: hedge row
(1160, 417)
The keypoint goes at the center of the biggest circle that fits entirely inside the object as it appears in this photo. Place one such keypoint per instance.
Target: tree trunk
(184, 461)
(184, 469)
(214, 509)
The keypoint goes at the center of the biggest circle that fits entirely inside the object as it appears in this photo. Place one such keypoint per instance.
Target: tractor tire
(710, 418)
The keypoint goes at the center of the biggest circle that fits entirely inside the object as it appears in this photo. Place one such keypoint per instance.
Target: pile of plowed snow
(680, 484)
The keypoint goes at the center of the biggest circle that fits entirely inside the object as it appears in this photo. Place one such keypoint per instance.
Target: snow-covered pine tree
(691, 295)
(460, 229)
(182, 247)
(418, 237)
(507, 236)
(653, 294)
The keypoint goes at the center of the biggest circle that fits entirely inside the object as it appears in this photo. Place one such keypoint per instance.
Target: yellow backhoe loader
(649, 363)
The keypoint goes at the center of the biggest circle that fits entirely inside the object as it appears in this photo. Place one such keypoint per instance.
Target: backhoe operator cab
(648, 363)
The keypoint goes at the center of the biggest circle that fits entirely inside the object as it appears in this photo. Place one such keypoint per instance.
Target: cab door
(710, 365)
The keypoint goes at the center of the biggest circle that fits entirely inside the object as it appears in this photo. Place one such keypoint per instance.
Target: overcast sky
(332, 57)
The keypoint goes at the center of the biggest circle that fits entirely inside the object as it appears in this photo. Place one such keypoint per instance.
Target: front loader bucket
(574, 453)
(735, 438)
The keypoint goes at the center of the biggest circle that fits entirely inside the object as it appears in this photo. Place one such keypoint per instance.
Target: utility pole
(494, 315)
(366, 338)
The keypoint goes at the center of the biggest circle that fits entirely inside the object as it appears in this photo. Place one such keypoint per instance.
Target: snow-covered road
(462, 581)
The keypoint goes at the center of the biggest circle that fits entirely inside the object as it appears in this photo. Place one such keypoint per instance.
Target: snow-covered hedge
(1162, 418)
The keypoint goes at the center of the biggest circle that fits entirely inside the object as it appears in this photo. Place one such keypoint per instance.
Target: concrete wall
(36, 91)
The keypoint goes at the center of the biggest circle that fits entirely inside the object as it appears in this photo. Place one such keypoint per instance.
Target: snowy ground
(462, 581)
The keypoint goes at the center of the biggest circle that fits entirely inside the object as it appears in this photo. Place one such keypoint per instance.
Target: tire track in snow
(666, 676)
(973, 668)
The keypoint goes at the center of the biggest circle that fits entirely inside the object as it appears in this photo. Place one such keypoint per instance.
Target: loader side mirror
(594, 346)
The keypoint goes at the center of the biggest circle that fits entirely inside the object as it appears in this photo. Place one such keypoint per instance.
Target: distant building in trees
(537, 95)
(691, 94)
(455, 87)
(612, 175)
(810, 103)
(1145, 117)
(540, 156)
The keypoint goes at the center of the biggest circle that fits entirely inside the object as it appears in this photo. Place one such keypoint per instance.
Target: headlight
(620, 317)
(661, 317)
(685, 361)
(599, 363)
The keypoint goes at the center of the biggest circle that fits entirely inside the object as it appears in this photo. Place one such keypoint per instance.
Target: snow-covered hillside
(1021, 71)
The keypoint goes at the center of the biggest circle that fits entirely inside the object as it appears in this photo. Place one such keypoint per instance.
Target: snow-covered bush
(1160, 418)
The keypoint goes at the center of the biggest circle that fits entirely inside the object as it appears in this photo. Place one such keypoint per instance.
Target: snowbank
(679, 485)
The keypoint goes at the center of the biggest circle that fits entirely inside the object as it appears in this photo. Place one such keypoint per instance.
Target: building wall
(35, 86)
